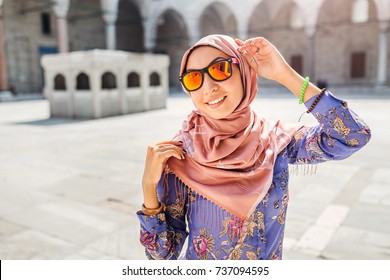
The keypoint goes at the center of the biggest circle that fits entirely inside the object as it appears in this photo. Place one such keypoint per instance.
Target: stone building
(342, 41)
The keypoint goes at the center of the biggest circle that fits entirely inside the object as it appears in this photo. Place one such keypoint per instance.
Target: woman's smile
(216, 102)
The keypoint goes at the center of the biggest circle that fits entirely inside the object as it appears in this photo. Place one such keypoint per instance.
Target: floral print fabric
(213, 233)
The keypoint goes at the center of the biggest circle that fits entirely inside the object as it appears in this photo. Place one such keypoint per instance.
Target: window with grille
(133, 80)
(59, 82)
(108, 81)
(154, 79)
(82, 82)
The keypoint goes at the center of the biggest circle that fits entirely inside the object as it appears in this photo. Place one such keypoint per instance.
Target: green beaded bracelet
(304, 86)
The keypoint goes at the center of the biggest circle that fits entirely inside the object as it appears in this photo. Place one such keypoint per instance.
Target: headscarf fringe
(208, 213)
(202, 209)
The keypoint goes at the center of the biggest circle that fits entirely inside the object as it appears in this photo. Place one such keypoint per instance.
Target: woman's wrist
(153, 211)
(294, 82)
(152, 203)
(150, 195)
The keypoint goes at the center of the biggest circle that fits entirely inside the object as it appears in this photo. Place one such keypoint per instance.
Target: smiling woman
(224, 176)
(222, 85)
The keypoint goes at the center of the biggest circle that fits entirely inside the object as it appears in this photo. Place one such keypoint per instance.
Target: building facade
(343, 42)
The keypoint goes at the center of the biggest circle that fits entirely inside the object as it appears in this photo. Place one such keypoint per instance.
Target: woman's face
(215, 99)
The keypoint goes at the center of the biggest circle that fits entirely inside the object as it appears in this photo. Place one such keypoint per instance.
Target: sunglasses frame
(230, 60)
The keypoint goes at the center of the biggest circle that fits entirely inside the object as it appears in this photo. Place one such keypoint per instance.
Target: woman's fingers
(253, 45)
(250, 57)
(178, 143)
(164, 150)
(245, 44)
(171, 153)
(156, 158)
(239, 41)
(249, 50)
(168, 150)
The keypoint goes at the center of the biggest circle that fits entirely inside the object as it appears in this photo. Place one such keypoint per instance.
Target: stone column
(193, 38)
(110, 14)
(382, 54)
(149, 39)
(3, 62)
(311, 57)
(145, 84)
(122, 86)
(71, 89)
(110, 35)
(310, 64)
(61, 8)
(243, 28)
(95, 80)
(193, 29)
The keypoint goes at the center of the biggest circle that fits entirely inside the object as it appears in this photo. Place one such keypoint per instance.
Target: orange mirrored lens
(220, 71)
(192, 80)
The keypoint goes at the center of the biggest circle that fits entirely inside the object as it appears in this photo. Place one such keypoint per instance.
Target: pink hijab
(230, 161)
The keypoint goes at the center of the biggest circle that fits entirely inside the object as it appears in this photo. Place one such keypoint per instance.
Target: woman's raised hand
(264, 58)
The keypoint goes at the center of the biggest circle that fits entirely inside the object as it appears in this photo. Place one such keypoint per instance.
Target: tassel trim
(197, 206)
(302, 169)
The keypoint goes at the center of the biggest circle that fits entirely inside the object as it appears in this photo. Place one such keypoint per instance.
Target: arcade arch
(85, 25)
(129, 29)
(260, 21)
(217, 18)
(354, 45)
(172, 39)
(287, 32)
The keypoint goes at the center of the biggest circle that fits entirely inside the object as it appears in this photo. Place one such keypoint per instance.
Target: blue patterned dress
(215, 234)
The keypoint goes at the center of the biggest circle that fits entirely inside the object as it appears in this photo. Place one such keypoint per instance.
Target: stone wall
(23, 39)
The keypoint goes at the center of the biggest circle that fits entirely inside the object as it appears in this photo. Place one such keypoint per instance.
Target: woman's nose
(209, 85)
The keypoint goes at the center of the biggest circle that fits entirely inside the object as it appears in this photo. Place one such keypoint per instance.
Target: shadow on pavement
(53, 121)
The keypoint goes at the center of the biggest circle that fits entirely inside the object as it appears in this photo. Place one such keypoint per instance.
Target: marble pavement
(69, 189)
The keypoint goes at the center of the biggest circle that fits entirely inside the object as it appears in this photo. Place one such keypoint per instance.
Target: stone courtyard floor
(69, 189)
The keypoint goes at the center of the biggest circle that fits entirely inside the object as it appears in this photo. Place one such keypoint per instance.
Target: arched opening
(133, 80)
(217, 18)
(129, 29)
(82, 82)
(355, 58)
(154, 79)
(288, 35)
(59, 82)
(283, 26)
(260, 21)
(108, 81)
(172, 39)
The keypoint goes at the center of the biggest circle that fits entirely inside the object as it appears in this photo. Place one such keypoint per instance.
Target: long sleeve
(338, 135)
(163, 235)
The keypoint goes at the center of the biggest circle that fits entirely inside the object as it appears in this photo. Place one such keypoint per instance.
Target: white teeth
(216, 101)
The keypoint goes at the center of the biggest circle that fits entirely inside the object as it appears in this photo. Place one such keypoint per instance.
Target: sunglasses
(219, 70)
